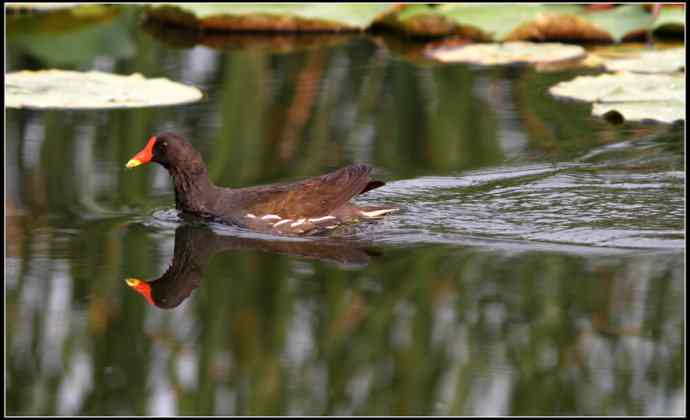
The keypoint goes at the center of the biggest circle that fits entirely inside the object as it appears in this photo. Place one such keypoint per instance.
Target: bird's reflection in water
(194, 247)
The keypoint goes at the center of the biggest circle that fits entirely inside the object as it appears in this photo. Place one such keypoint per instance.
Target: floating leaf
(671, 19)
(522, 21)
(663, 111)
(620, 21)
(662, 61)
(270, 17)
(623, 86)
(47, 89)
(510, 53)
(659, 97)
(178, 37)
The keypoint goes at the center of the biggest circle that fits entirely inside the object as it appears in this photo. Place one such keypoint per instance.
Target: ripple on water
(563, 204)
(566, 207)
(164, 219)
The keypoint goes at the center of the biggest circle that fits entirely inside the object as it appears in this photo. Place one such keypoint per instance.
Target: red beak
(144, 156)
(142, 287)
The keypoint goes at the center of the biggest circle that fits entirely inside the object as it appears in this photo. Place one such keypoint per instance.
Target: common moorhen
(195, 246)
(303, 207)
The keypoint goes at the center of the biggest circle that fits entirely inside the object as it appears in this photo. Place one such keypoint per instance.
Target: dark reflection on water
(194, 247)
(536, 267)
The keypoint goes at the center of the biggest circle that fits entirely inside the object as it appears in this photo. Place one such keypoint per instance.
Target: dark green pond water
(536, 268)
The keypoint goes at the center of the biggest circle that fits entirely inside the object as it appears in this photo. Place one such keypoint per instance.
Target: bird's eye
(164, 144)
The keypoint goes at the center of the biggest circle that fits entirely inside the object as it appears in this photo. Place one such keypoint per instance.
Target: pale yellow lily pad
(59, 89)
(622, 86)
(663, 111)
(510, 53)
(659, 97)
(662, 61)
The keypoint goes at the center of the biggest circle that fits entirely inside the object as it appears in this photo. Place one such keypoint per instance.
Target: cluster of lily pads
(482, 22)
(638, 84)
(646, 85)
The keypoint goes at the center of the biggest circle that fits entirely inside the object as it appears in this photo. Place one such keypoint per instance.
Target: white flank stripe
(322, 218)
(282, 221)
(250, 216)
(271, 216)
(297, 223)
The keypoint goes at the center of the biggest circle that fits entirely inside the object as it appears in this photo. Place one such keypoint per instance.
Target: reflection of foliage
(71, 39)
(552, 128)
(420, 331)
(65, 20)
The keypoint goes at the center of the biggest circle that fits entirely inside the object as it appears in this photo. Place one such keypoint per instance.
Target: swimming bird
(309, 206)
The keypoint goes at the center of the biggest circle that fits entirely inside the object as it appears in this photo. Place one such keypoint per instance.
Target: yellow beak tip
(132, 163)
(132, 282)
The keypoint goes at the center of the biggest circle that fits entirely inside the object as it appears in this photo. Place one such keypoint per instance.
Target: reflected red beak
(142, 287)
(144, 156)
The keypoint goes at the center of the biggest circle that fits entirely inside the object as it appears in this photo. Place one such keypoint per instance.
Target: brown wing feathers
(313, 197)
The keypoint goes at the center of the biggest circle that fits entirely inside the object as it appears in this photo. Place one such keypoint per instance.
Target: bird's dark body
(301, 207)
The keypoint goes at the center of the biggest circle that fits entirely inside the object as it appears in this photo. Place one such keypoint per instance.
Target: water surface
(536, 266)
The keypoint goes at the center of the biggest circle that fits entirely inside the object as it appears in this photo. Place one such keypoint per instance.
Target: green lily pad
(659, 97)
(522, 21)
(671, 19)
(270, 17)
(277, 43)
(510, 53)
(58, 89)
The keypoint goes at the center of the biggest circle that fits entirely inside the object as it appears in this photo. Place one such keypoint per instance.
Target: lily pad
(58, 89)
(178, 37)
(510, 53)
(659, 97)
(662, 61)
(671, 19)
(270, 17)
(663, 111)
(522, 21)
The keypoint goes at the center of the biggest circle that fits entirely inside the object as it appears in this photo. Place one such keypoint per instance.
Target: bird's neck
(194, 191)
